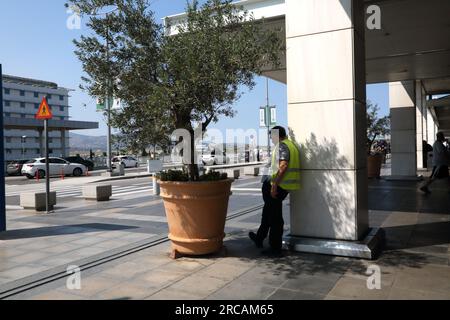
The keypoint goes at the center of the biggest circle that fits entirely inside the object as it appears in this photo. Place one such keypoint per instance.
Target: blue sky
(36, 43)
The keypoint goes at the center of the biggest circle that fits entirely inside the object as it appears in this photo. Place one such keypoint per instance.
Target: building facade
(21, 100)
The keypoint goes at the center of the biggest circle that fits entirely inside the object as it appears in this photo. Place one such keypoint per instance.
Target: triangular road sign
(44, 111)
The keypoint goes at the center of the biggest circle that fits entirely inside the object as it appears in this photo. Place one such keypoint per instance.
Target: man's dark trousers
(272, 216)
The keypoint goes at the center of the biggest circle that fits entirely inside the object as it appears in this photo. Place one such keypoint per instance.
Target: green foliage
(376, 126)
(182, 176)
(173, 82)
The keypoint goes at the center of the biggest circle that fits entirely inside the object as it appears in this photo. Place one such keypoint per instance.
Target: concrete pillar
(327, 117)
(63, 143)
(402, 103)
(431, 128)
(419, 124)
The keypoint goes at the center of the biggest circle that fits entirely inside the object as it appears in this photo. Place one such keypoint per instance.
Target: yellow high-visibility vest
(291, 179)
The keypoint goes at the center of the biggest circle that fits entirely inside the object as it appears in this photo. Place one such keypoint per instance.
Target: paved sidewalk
(414, 265)
(408, 271)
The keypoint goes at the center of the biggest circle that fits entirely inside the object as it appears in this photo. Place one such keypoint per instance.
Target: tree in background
(376, 126)
(182, 81)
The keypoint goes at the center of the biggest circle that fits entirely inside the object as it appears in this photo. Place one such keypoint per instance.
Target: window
(7, 91)
(49, 96)
(61, 98)
(7, 103)
(7, 114)
(8, 139)
(49, 151)
(22, 93)
(38, 151)
(36, 140)
(36, 94)
(50, 140)
(23, 116)
(36, 105)
(61, 108)
(22, 104)
(8, 151)
(58, 161)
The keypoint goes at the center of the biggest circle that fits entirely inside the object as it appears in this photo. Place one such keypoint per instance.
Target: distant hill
(81, 142)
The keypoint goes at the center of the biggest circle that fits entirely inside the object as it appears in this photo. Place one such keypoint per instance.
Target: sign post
(268, 117)
(45, 113)
(2, 161)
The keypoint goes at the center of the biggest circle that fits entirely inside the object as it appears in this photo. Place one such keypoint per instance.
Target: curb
(123, 178)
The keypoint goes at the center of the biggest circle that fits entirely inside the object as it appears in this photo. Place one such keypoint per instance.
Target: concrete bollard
(156, 187)
(97, 192)
(251, 171)
(37, 200)
(233, 173)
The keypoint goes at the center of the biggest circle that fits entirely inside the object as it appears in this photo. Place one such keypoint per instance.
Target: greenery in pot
(173, 82)
(376, 125)
(182, 176)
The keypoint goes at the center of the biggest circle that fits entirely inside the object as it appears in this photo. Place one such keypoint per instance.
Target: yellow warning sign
(44, 111)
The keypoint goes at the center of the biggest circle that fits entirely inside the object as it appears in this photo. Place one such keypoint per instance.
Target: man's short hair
(281, 131)
(440, 134)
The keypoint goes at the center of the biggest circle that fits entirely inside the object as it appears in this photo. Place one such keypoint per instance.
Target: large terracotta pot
(374, 165)
(196, 213)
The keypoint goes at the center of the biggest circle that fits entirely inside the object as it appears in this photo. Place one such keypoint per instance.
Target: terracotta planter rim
(194, 182)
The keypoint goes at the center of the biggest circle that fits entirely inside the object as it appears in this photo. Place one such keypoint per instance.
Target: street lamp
(23, 147)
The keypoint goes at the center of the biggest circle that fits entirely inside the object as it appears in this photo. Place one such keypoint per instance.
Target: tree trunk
(192, 166)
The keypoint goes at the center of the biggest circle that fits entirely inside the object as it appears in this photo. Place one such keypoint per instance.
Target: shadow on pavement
(60, 230)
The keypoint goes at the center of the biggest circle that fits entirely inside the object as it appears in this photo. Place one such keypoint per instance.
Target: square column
(63, 143)
(421, 124)
(327, 117)
(402, 102)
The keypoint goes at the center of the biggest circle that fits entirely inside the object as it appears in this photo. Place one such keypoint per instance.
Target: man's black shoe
(425, 190)
(272, 252)
(258, 243)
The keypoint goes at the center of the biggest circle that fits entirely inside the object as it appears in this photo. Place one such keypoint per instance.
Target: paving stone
(126, 291)
(199, 285)
(283, 294)
(423, 281)
(56, 295)
(159, 278)
(30, 257)
(350, 288)
(91, 286)
(225, 271)
(409, 294)
(170, 294)
(237, 290)
(311, 284)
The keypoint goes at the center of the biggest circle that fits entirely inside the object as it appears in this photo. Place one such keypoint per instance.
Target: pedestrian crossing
(76, 191)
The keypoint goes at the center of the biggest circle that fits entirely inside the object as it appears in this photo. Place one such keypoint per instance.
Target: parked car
(57, 166)
(15, 167)
(127, 161)
(210, 158)
(77, 159)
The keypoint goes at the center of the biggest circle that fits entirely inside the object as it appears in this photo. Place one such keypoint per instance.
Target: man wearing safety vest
(284, 177)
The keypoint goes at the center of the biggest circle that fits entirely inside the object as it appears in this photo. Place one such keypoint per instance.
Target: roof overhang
(413, 43)
(34, 124)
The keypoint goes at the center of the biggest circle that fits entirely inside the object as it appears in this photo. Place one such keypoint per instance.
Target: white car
(57, 166)
(127, 161)
(210, 158)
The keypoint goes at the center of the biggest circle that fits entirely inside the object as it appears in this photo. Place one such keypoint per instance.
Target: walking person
(284, 177)
(441, 159)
